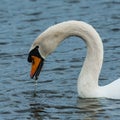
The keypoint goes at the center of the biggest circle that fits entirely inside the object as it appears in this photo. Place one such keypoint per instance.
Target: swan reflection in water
(91, 109)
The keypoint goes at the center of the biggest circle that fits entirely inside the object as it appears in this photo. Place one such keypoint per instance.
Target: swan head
(36, 61)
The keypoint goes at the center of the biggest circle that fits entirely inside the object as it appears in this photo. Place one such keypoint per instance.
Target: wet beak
(36, 67)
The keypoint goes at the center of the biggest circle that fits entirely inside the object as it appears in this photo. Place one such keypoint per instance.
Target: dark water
(21, 21)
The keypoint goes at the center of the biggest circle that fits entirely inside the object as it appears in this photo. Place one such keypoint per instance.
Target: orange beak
(36, 67)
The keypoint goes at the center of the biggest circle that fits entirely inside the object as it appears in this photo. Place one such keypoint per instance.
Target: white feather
(88, 79)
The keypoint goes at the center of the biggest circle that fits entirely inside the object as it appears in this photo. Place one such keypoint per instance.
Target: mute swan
(87, 84)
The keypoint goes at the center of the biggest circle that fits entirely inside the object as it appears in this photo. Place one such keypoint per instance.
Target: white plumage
(88, 79)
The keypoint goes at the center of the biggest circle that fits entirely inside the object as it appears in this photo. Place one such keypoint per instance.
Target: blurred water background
(21, 21)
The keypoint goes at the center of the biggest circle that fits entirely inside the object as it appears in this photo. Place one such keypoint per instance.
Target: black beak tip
(36, 78)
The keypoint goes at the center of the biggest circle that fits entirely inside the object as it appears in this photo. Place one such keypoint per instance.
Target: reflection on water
(92, 108)
(55, 96)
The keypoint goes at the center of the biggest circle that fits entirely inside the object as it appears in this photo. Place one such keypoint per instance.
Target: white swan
(88, 79)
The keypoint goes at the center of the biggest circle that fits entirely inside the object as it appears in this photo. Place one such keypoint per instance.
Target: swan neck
(54, 35)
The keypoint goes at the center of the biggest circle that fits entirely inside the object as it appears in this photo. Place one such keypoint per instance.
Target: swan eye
(30, 58)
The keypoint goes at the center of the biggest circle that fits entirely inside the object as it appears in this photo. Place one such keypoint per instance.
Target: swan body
(87, 84)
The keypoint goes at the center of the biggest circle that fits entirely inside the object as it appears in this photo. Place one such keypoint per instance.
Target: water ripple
(55, 96)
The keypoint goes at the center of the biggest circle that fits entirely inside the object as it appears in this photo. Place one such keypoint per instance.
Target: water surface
(56, 96)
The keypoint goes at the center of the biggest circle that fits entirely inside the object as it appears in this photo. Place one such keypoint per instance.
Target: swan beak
(36, 67)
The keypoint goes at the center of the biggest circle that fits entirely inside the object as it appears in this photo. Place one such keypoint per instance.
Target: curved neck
(52, 37)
